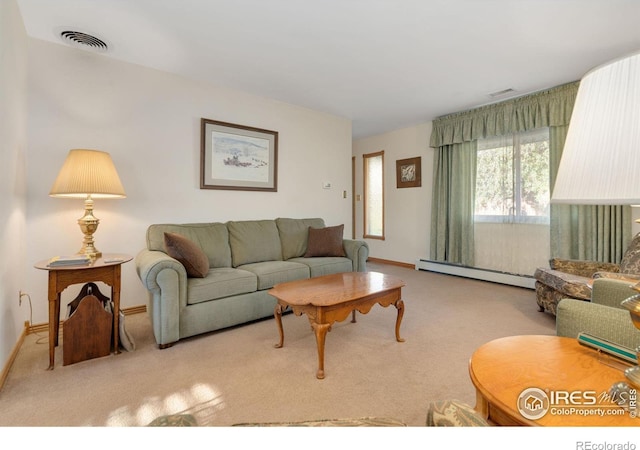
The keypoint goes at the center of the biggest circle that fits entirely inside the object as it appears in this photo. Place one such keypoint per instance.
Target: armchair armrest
(611, 292)
(612, 324)
(582, 267)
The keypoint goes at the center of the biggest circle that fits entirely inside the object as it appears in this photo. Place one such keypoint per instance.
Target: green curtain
(579, 232)
(549, 108)
(453, 198)
(587, 232)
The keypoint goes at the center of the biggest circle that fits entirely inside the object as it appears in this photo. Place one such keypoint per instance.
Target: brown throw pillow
(189, 254)
(325, 241)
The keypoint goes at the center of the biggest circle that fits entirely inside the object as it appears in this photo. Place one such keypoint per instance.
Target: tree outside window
(512, 180)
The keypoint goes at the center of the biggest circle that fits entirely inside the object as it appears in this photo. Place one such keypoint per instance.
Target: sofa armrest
(613, 324)
(166, 280)
(358, 252)
(611, 291)
(581, 267)
(149, 263)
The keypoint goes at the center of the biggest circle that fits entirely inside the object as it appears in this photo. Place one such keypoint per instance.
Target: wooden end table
(331, 298)
(574, 378)
(105, 269)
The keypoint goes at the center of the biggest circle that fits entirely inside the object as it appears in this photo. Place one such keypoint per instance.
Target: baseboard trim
(14, 354)
(477, 274)
(44, 327)
(393, 263)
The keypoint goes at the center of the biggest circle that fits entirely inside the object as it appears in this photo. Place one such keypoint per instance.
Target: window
(512, 179)
(374, 195)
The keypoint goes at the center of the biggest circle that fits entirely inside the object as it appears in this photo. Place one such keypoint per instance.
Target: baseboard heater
(493, 276)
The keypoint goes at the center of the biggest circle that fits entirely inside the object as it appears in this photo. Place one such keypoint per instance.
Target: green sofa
(245, 259)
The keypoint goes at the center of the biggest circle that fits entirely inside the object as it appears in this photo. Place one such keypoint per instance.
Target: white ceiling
(384, 64)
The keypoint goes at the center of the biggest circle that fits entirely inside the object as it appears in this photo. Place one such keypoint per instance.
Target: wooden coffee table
(331, 298)
(505, 369)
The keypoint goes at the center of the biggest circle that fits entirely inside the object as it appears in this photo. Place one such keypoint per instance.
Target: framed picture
(409, 172)
(237, 157)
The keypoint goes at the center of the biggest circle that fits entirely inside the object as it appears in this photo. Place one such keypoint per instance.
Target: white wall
(13, 143)
(407, 210)
(149, 121)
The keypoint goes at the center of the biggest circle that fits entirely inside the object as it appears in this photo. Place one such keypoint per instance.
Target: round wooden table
(547, 381)
(105, 269)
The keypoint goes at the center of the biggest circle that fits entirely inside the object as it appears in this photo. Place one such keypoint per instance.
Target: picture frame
(409, 172)
(238, 157)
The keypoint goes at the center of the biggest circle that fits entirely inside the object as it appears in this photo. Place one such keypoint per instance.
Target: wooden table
(574, 379)
(105, 269)
(331, 298)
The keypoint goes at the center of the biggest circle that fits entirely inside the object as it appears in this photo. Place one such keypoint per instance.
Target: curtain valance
(552, 107)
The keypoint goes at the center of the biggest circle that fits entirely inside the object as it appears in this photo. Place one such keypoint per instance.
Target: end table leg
(321, 330)
(400, 307)
(277, 313)
(53, 333)
(115, 295)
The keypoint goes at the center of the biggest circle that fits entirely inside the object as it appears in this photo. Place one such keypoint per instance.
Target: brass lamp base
(88, 225)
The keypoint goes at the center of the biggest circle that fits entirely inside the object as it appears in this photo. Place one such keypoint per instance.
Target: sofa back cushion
(212, 238)
(254, 241)
(630, 262)
(294, 235)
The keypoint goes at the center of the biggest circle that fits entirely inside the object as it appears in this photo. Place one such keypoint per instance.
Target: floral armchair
(571, 278)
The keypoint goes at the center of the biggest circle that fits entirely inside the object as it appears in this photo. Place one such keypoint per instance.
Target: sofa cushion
(325, 241)
(254, 241)
(212, 238)
(219, 283)
(325, 265)
(187, 253)
(294, 234)
(271, 273)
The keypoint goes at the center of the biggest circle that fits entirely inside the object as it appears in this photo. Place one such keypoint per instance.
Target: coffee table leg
(277, 313)
(321, 330)
(400, 307)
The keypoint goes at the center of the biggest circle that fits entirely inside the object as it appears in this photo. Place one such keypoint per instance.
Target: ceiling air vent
(84, 41)
(502, 93)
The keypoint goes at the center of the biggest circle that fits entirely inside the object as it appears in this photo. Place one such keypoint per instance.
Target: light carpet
(237, 376)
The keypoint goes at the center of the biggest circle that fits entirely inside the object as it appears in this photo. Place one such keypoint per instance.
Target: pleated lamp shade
(88, 172)
(600, 163)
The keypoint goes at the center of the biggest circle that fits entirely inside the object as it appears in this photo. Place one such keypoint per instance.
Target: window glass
(374, 195)
(512, 180)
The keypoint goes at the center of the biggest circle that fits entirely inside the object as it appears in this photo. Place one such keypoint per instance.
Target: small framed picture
(409, 172)
(238, 157)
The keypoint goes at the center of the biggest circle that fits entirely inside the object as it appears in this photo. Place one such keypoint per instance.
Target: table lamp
(600, 162)
(88, 174)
